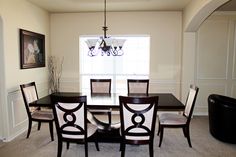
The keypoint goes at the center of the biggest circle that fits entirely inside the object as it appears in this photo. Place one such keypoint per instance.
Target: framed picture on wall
(32, 49)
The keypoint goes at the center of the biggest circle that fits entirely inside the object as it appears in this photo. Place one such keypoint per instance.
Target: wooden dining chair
(29, 93)
(101, 86)
(138, 86)
(171, 120)
(138, 119)
(71, 122)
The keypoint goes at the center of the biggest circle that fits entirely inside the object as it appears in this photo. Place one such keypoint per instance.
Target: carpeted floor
(174, 145)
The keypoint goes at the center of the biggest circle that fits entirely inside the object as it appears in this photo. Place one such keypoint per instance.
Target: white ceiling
(112, 5)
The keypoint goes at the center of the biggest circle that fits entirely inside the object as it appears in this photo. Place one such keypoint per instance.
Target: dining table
(166, 102)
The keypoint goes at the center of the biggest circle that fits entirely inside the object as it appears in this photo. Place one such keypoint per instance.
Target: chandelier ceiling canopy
(105, 45)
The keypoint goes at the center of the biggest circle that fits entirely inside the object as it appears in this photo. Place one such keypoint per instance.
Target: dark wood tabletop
(167, 101)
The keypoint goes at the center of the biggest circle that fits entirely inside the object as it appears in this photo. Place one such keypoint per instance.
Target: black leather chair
(222, 117)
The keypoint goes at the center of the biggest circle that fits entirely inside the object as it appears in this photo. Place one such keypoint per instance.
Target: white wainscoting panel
(205, 89)
(17, 114)
(233, 91)
(215, 58)
(212, 49)
(234, 54)
(163, 86)
(18, 120)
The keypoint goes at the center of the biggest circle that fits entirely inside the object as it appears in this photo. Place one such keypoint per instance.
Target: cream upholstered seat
(138, 119)
(71, 121)
(44, 115)
(30, 94)
(137, 86)
(171, 120)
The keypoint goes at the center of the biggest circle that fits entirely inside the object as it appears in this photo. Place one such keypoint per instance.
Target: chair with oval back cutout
(71, 122)
(138, 119)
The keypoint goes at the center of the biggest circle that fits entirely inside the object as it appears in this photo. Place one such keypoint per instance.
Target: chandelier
(105, 45)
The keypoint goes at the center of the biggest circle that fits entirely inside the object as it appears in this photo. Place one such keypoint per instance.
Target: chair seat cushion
(138, 138)
(172, 119)
(91, 129)
(42, 115)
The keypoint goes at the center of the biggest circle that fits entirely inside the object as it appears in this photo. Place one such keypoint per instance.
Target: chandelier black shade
(105, 45)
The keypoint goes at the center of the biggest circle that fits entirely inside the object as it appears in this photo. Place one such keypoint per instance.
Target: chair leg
(29, 128)
(67, 145)
(161, 134)
(96, 142)
(121, 145)
(51, 130)
(59, 148)
(184, 131)
(188, 136)
(151, 149)
(123, 150)
(86, 149)
(159, 125)
(39, 125)
(109, 118)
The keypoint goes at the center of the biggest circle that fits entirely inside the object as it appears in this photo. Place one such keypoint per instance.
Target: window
(133, 64)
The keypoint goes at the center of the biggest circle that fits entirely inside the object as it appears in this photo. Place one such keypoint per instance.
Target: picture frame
(32, 49)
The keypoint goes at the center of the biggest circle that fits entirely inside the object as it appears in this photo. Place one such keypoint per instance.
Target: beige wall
(209, 59)
(19, 14)
(165, 29)
(215, 57)
(2, 84)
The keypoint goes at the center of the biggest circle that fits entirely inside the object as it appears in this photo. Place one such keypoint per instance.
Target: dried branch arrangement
(55, 65)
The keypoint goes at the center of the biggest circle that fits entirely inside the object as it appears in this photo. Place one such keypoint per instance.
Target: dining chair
(30, 94)
(71, 122)
(138, 86)
(138, 119)
(101, 86)
(171, 120)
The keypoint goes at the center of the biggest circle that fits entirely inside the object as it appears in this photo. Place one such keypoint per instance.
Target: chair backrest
(29, 93)
(100, 85)
(190, 102)
(69, 114)
(138, 117)
(136, 86)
